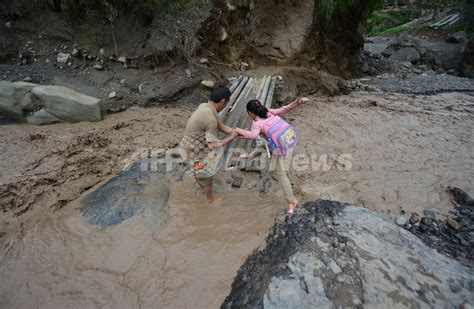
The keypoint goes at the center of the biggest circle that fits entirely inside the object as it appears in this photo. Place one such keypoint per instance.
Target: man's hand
(233, 134)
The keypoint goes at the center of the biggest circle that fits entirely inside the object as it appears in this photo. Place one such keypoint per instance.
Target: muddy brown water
(189, 262)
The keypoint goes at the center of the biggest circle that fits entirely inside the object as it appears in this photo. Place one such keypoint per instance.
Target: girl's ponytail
(254, 106)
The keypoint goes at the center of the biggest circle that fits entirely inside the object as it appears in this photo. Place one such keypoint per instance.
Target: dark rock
(430, 213)
(237, 181)
(457, 37)
(414, 219)
(409, 54)
(426, 221)
(453, 237)
(461, 197)
(468, 59)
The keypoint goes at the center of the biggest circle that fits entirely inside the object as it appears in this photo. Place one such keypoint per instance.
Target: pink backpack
(280, 135)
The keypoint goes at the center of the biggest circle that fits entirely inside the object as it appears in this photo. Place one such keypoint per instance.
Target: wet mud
(187, 261)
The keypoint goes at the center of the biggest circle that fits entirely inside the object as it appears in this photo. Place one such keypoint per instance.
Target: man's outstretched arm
(223, 142)
(224, 128)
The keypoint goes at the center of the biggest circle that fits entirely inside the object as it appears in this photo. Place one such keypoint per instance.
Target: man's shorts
(203, 174)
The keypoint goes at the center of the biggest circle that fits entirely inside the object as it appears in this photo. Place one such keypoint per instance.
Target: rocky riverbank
(331, 255)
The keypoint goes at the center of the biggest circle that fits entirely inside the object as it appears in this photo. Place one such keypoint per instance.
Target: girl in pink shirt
(263, 119)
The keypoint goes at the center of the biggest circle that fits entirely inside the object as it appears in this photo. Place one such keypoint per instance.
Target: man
(200, 138)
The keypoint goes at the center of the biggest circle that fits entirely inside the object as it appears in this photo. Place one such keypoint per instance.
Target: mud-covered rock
(335, 255)
(142, 186)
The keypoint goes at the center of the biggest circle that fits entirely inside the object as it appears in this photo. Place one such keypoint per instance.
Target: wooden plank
(243, 90)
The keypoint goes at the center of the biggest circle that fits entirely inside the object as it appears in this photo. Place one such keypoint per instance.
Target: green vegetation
(390, 21)
(327, 8)
(395, 30)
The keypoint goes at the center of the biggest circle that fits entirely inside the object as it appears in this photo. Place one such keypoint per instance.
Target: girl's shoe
(291, 208)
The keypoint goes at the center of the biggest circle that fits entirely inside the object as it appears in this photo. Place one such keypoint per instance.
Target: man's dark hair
(219, 93)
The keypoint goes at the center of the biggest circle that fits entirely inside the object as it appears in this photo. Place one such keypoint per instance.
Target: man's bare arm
(223, 142)
(224, 128)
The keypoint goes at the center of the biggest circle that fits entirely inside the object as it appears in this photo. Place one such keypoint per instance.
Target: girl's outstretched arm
(288, 108)
(249, 134)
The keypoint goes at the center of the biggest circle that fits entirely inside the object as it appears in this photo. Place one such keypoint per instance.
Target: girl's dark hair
(257, 108)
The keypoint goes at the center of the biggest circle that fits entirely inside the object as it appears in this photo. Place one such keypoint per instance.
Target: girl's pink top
(260, 125)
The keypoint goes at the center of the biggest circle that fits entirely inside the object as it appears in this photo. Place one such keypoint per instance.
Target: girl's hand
(304, 100)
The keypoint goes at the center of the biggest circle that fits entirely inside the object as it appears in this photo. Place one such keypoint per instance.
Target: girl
(265, 123)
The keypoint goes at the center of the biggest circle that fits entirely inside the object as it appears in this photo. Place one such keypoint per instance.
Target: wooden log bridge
(244, 88)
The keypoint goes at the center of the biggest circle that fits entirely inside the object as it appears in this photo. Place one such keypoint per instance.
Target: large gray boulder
(333, 255)
(437, 55)
(15, 99)
(46, 104)
(409, 54)
(67, 104)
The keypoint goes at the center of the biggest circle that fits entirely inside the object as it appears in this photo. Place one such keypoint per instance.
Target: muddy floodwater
(405, 151)
(189, 262)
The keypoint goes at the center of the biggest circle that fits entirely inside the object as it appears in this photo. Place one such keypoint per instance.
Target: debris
(237, 181)
(122, 59)
(75, 52)
(188, 73)
(203, 61)
(401, 221)
(207, 84)
(244, 66)
(430, 213)
(63, 58)
(453, 224)
(113, 94)
(98, 67)
(223, 36)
